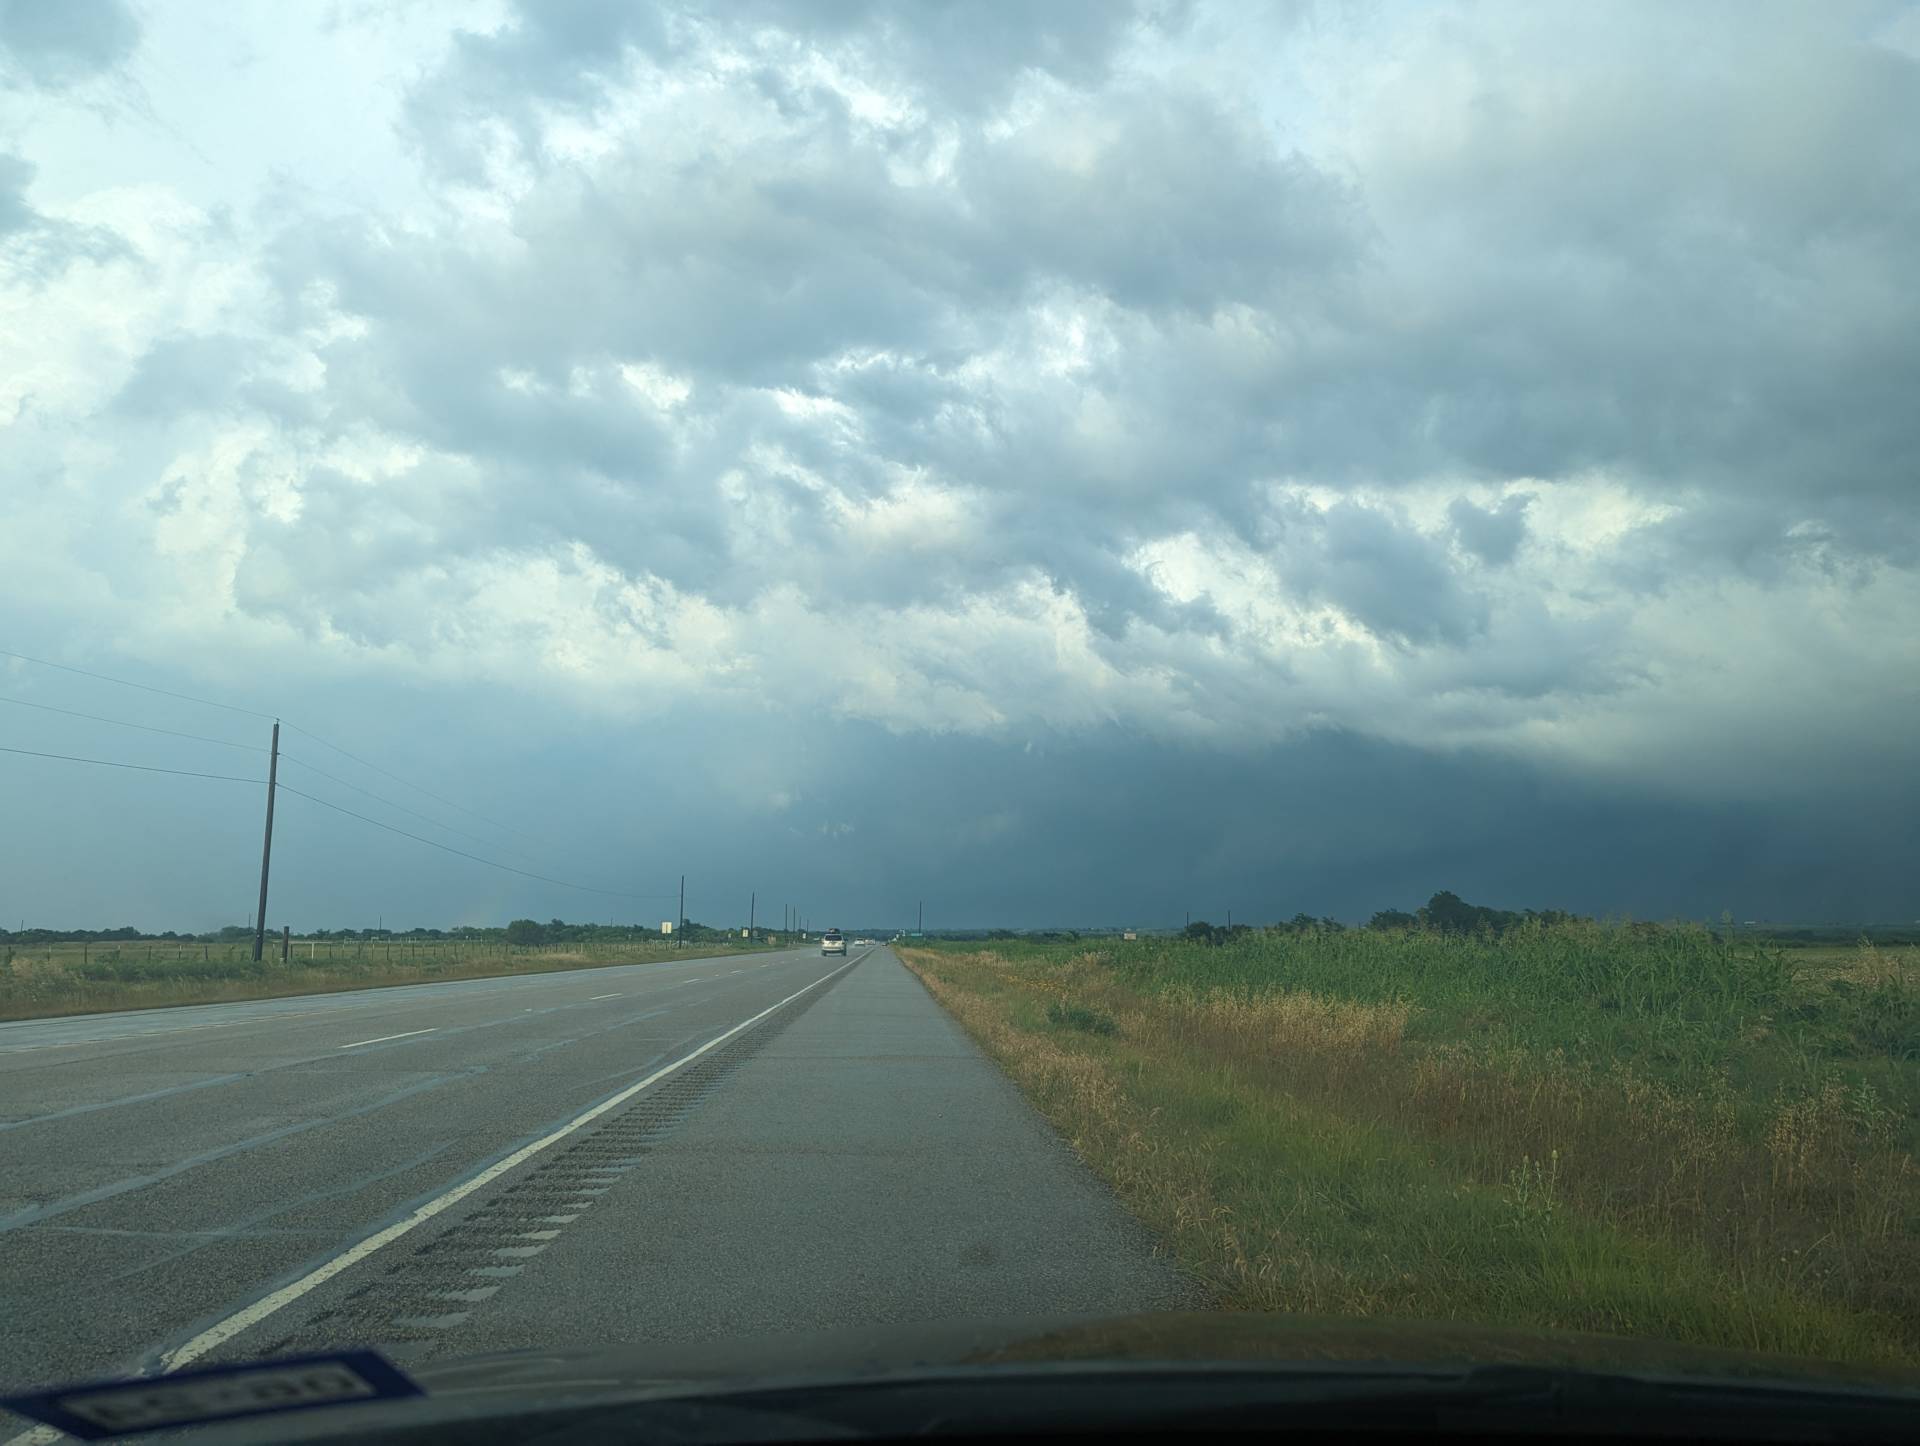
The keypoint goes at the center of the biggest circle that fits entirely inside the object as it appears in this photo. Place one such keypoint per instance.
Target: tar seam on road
(224, 1330)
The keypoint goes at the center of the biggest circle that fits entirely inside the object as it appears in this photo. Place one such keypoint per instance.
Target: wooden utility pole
(680, 924)
(266, 846)
(752, 899)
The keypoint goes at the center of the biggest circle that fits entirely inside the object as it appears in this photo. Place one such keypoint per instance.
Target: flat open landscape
(1635, 1130)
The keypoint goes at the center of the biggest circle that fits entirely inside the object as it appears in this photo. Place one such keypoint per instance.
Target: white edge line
(408, 1034)
(223, 1331)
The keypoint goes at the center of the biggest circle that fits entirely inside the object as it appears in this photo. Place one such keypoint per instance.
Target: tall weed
(1700, 1095)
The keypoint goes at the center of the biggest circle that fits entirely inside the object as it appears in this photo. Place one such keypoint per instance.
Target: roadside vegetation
(44, 974)
(1551, 1122)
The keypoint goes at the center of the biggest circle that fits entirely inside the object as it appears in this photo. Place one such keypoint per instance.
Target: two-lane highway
(648, 1152)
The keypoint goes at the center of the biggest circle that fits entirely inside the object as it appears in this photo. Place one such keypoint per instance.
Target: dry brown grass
(1807, 1203)
(1869, 966)
(1162, 1180)
(1336, 1038)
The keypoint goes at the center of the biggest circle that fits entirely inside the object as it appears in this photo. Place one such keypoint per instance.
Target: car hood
(1164, 1337)
(897, 1380)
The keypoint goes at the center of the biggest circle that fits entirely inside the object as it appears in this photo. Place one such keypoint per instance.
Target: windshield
(1363, 715)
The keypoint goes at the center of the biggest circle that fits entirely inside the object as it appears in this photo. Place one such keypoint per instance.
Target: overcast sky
(1071, 463)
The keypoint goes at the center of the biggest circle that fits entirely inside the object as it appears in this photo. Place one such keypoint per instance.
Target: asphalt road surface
(681, 1151)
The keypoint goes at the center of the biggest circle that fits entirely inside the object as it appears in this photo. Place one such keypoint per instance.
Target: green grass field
(1648, 1132)
(80, 979)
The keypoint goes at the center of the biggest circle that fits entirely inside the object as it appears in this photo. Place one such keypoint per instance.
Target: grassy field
(1615, 1129)
(83, 979)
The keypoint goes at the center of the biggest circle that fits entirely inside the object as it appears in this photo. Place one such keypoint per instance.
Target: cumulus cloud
(1459, 379)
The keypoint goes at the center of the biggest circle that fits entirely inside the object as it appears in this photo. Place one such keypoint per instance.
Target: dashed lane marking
(404, 1034)
(225, 1330)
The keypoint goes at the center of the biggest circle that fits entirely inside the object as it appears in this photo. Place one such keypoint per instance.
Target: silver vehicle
(833, 942)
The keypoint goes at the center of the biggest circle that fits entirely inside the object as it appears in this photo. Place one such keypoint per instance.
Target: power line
(473, 813)
(449, 848)
(379, 798)
(141, 767)
(124, 683)
(298, 793)
(123, 723)
(253, 713)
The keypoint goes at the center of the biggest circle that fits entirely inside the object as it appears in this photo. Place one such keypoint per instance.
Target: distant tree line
(558, 931)
(123, 934)
(1445, 913)
(62, 936)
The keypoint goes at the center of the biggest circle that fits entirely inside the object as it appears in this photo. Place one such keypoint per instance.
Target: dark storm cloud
(59, 42)
(952, 56)
(1492, 534)
(1107, 829)
(1677, 256)
(891, 413)
(1094, 827)
(1156, 198)
(1393, 580)
(965, 56)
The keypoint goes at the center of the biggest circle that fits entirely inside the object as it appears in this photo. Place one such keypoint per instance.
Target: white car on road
(832, 942)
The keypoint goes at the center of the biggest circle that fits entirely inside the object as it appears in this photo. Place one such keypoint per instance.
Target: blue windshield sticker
(100, 1409)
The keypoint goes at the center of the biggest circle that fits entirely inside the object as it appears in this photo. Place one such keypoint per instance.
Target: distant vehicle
(832, 942)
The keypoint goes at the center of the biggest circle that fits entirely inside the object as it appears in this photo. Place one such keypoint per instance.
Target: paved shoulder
(865, 1164)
